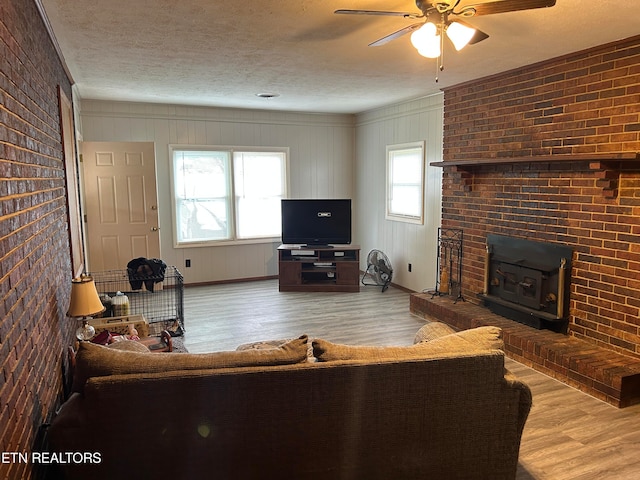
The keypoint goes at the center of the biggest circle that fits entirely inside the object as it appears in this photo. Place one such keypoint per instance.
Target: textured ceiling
(224, 52)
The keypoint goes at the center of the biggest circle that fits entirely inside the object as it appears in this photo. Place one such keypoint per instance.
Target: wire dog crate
(159, 298)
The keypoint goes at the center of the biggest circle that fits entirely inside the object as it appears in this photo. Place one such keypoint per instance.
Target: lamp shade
(84, 298)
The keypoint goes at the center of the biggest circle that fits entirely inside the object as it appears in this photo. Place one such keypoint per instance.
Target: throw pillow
(431, 331)
(96, 360)
(483, 338)
(477, 339)
(129, 346)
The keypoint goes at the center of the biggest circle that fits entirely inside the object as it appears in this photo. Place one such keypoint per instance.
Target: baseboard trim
(233, 280)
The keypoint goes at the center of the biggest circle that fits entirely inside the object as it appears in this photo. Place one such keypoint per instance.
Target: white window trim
(415, 219)
(231, 149)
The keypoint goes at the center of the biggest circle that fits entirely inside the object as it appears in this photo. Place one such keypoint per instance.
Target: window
(405, 182)
(227, 195)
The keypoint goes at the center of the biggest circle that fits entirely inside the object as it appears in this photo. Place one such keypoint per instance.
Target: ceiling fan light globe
(423, 35)
(460, 35)
(430, 29)
(431, 49)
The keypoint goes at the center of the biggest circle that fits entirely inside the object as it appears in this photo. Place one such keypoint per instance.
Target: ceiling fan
(441, 17)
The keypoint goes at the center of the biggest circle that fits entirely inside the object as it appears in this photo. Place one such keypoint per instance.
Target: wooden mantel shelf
(590, 157)
(606, 166)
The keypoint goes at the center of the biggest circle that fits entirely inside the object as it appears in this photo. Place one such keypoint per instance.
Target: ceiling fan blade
(478, 36)
(503, 6)
(378, 12)
(395, 35)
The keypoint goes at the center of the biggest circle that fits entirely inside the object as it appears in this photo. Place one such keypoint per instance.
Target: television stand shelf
(319, 269)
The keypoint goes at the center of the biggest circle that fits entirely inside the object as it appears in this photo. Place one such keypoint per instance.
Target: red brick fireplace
(549, 153)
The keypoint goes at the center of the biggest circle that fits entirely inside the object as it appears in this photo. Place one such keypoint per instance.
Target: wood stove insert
(528, 281)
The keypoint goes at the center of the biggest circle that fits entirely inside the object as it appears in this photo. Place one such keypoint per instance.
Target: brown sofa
(443, 408)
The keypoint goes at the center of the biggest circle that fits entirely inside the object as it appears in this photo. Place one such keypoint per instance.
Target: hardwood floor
(568, 436)
(221, 317)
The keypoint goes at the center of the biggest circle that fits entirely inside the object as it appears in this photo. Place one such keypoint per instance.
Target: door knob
(154, 229)
(154, 207)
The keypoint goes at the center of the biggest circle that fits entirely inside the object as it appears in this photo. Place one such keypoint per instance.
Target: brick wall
(569, 116)
(34, 248)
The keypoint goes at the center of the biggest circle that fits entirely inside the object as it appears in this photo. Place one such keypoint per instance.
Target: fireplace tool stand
(449, 265)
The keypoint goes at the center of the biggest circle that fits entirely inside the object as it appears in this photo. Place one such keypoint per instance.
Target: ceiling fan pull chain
(439, 67)
(441, 57)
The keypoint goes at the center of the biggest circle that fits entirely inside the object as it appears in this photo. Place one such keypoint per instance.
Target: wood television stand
(319, 269)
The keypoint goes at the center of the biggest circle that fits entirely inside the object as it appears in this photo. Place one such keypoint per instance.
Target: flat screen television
(316, 221)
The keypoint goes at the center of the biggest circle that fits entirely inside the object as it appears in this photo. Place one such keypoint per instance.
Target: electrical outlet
(187, 263)
(409, 267)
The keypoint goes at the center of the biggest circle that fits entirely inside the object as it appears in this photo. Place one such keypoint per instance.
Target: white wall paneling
(338, 156)
(403, 243)
(321, 165)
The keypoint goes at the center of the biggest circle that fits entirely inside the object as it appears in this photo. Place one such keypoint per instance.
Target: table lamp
(84, 303)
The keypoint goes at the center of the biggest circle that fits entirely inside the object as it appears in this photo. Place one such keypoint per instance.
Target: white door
(120, 203)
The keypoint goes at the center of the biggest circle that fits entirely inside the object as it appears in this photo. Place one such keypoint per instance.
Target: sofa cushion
(431, 331)
(467, 341)
(268, 344)
(263, 344)
(98, 361)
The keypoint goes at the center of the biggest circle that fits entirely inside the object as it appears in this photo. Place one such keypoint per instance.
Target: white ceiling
(224, 52)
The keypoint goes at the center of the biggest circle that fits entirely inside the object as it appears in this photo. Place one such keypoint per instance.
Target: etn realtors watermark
(61, 458)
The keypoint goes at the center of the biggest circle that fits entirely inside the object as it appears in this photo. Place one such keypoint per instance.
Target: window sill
(228, 243)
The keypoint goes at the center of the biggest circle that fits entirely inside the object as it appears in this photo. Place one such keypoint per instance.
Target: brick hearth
(600, 372)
